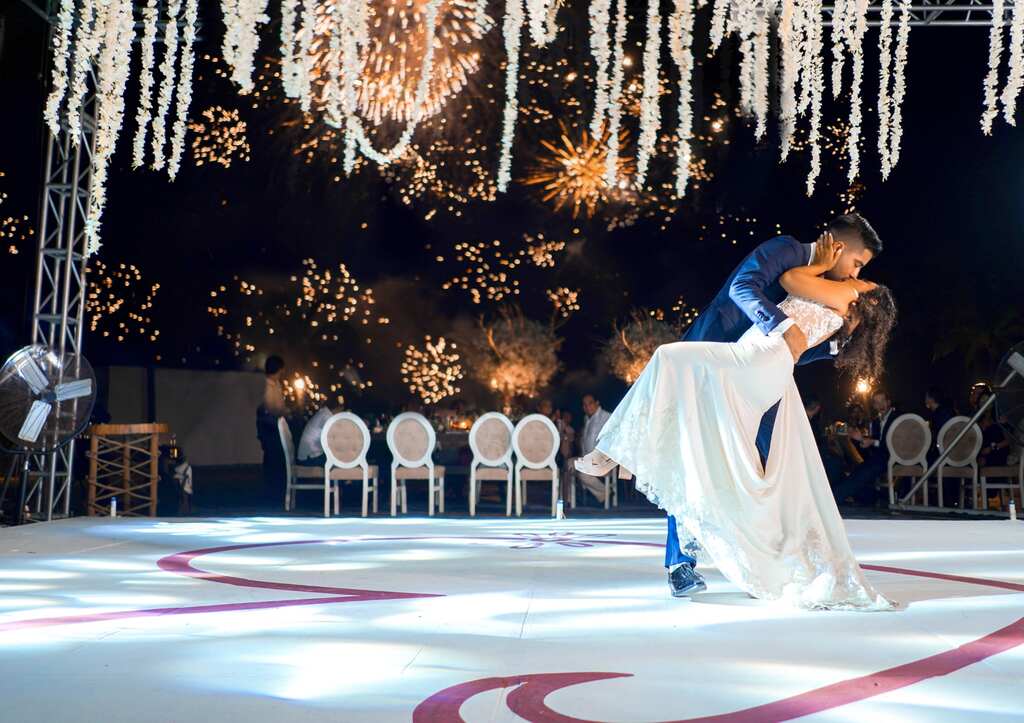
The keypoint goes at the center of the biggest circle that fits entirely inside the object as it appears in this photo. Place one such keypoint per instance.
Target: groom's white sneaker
(596, 463)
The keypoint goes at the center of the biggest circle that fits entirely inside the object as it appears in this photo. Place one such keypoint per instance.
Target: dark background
(950, 216)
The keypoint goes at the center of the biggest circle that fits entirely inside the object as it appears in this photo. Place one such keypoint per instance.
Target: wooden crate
(123, 463)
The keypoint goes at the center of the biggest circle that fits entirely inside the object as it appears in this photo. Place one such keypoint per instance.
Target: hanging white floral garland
(884, 61)
(291, 61)
(790, 71)
(899, 84)
(859, 11)
(600, 48)
(719, 16)
(242, 19)
(841, 31)
(304, 88)
(681, 48)
(512, 29)
(611, 159)
(184, 94)
(1016, 72)
(356, 38)
(650, 106)
(995, 51)
(814, 74)
(143, 112)
(113, 68)
(87, 38)
(541, 15)
(61, 39)
(163, 105)
(759, 92)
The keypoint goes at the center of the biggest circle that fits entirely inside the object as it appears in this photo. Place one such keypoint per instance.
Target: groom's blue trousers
(673, 553)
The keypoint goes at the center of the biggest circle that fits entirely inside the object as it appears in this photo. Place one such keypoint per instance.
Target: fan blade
(1017, 362)
(73, 390)
(34, 421)
(31, 373)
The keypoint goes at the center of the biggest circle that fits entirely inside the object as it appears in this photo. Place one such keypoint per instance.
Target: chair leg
(518, 484)
(327, 496)
(607, 492)
(554, 497)
(508, 497)
(394, 494)
(472, 493)
(338, 486)
(572, 489)
(441, 494)
(405, 498)
(376, 490)
(366, 494)
(892, 489)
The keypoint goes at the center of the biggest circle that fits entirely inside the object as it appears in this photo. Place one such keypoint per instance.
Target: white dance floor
(414, 619)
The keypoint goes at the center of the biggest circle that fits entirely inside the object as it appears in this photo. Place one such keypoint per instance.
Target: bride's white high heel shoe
(597, 464)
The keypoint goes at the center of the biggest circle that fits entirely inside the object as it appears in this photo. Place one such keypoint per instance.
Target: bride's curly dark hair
(863, 350)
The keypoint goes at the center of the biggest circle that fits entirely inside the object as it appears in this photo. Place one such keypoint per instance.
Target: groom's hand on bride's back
(796, 340)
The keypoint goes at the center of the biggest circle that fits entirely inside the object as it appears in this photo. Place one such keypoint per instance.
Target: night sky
(950, 216)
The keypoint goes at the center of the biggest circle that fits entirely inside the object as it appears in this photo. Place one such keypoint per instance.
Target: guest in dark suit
(859, 486)
(833, 464)
(940, 411)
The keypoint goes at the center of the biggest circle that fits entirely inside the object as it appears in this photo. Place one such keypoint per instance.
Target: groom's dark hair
(854, 225)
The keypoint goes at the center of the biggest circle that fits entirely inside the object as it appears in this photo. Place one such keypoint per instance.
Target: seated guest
(995, 442)
(310, 453)
(940, 411)
(596, 418)
(859, 486)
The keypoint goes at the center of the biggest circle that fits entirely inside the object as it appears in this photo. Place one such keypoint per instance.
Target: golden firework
(572, 173)
(433, 372)
(391, 69)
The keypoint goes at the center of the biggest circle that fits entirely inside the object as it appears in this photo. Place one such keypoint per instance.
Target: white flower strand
(291, 62)
(144, 111)
(718, 22)
(790, 71)
(61, 40)
(184, 94)
(884, 61)
(899, 89)
(114, 66)
(305, 69)
(860, 26)
(87, 37)
(355, 126)
(1016, 74)
(611, 160)
(814, 74)
(512, 28)
(355, 38)
(242, 19)
(761, 81)
(600, 43)
(541, 15)
(681, 47)
(995, 51)
(166, 82)
(650, 106)
(840, 33)
(803, 30)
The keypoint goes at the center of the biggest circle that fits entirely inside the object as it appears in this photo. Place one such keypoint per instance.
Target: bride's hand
(826, 251)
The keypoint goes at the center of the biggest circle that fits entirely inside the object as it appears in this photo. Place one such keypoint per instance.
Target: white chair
(490, 439)
(908, 441)
(535, 441)
(411, 439)
(962, 462)
(1013, 476)
(346, 440)
(295, 473)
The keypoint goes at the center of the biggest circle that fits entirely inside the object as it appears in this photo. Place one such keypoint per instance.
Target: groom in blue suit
(750, 296)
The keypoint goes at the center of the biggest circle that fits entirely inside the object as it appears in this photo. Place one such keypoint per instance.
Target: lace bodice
(816, 320)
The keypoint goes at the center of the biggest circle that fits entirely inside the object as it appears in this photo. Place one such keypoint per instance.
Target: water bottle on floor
(1013, 510)
(559, 510)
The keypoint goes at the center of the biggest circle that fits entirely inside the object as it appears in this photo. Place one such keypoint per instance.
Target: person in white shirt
(596, 416)
(310, 453)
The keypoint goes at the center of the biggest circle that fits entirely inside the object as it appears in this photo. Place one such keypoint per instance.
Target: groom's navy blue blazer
(750, 296)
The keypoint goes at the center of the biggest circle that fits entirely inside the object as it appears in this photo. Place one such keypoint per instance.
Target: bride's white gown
(687, 430)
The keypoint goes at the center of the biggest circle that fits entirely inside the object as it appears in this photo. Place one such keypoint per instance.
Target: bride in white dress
(687, 430)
